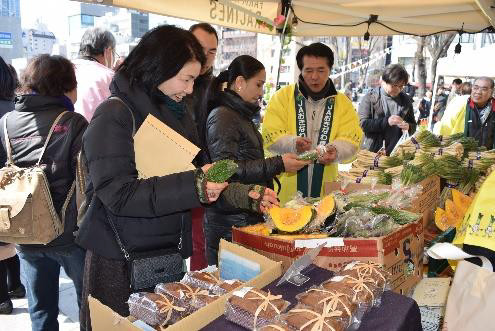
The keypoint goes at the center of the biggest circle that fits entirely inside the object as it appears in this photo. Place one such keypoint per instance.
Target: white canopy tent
(329, 17)
(462, 65)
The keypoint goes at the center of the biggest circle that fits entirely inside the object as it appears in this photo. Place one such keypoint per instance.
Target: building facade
(37, 42)
(10, 30)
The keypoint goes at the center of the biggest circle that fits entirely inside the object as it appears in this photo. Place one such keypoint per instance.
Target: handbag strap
(130, 111)
(10, 161)
(117, 237)
(49, 135)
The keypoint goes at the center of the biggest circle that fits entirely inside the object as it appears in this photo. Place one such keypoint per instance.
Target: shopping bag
(405, 136)
(472, 294)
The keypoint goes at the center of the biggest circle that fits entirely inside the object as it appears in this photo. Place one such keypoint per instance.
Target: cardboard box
(105, 319)
(400, 252)
(425, 203)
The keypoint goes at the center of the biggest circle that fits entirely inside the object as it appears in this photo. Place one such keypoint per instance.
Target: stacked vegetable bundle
(455, 158)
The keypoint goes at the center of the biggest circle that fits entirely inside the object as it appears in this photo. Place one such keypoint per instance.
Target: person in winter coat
(300, 117)
(425, 107)
(8, 84)
(475, 117)
(208, 38)
(148, 214)
(94, 69)
(232, 134)
(10, 279)
(386, 112)
(48, 88)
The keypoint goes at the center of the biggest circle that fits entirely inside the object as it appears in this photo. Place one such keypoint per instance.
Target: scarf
(484, 113)
(390, 108)
(177, 108)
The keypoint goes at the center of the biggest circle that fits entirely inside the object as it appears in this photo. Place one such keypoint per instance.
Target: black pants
(10, 276)
(476, 250)
(213, 234)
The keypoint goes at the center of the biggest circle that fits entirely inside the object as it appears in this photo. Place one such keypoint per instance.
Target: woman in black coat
(48, 88)
(231, 134)
(148, 214)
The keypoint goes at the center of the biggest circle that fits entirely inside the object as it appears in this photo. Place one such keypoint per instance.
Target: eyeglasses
(398, 86)
(483, 89)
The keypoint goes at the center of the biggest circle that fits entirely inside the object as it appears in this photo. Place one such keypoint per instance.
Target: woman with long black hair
(231, 134)
(147, 214)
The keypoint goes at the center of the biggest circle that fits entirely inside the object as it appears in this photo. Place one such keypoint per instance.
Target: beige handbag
(27, 214)
(472, 294)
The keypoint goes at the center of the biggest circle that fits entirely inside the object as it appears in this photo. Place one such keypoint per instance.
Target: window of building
(87, 20)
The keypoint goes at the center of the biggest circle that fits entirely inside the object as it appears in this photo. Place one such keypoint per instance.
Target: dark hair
(49, 75)
(205, 27)
(316, 50)
(466, 88)
(8, 83)
(243, 65)
(395, 74)
(486, 79)
(94, 42)
(160, 55)
(457, 81)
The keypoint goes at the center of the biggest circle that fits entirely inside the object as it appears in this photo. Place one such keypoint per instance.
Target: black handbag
(147, 269)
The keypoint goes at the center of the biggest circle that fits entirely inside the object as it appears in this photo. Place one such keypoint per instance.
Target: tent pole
(282, 41)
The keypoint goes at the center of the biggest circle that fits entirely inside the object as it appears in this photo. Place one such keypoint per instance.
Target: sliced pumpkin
(326, 207)
(461, 201)
(291, 220)
(453, 215)
(441, 220)
(259, 229)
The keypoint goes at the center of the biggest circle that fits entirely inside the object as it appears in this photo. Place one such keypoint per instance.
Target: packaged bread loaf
(361, 290)
(186, 294)
(367, 269)
(155, 309)
(318, 298)
(304, 318)
(253, 308)
(210, 281)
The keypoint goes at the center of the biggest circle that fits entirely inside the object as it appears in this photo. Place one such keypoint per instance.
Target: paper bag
(161, 151)
(472, 294)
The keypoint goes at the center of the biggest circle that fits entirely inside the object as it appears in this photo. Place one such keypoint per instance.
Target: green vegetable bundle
(221, 171)
(411, 174)
(308, 155)
(399, 216)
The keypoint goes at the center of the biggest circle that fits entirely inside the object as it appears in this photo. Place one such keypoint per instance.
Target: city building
(234, 43)
(37, 42)
(10, 30)
(82, 17)
(127, 26)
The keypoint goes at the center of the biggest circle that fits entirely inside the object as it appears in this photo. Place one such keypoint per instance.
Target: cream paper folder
(160, 151)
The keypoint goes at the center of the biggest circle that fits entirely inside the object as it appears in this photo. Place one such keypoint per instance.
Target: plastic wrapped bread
(252, 308)
(319, 298)
(155, 309)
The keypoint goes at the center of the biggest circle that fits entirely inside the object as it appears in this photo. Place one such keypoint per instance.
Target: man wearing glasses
(94, 72)
(476, 117)
(386, 112)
